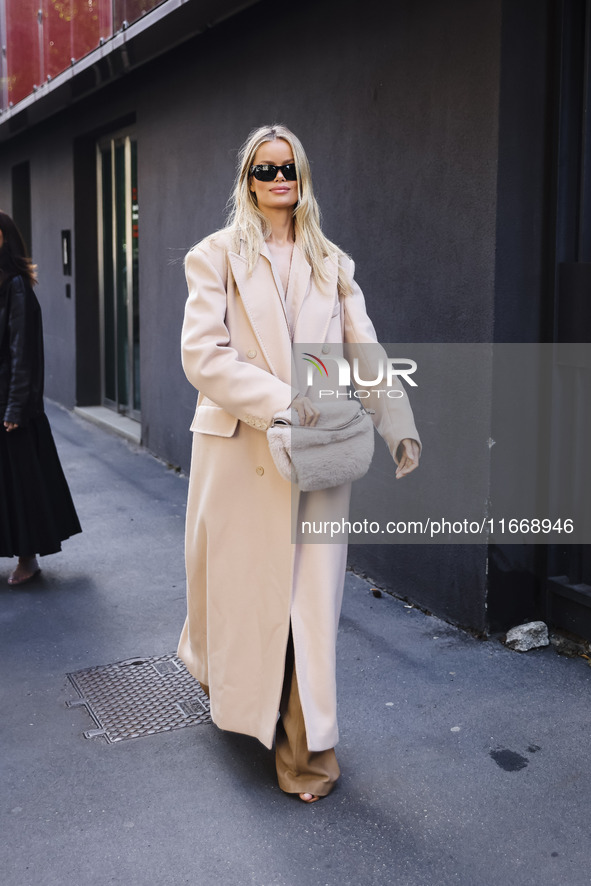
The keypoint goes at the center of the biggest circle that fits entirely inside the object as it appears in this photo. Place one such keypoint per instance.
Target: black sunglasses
(266, 172)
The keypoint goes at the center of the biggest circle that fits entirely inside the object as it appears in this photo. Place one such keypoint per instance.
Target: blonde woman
(262, 617)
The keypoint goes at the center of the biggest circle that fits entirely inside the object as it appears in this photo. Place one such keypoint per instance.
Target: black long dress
(36, 508)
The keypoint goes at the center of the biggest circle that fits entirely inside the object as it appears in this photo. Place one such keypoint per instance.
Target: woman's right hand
(307, 412)
(10, 425)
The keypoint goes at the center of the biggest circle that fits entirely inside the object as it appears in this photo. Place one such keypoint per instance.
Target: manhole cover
(140, 696)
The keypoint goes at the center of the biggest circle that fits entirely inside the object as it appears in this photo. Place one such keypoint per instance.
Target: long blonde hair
(247, 221)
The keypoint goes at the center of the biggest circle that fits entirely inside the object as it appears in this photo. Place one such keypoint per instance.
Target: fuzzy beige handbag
(337, 450)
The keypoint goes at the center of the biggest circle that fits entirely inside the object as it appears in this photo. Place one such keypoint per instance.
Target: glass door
(118, 264)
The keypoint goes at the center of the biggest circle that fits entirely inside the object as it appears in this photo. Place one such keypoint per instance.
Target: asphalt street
(463, 762)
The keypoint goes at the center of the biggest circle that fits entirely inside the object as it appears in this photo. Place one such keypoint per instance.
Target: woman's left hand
(408, 458)
(10, 425)
(307, 412)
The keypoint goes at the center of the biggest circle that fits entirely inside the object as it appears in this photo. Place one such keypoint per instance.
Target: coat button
(251, 354)
(326, 349)
(260, 470)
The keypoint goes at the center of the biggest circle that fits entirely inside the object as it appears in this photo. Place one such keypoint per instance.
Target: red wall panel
(23, 66)
(71, 29)
(92, 20)
(57, 35)
(42, 46)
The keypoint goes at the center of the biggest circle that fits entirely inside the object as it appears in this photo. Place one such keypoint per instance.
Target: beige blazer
(237, 352)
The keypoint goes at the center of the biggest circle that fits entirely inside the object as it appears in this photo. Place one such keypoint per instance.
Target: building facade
(451, 156)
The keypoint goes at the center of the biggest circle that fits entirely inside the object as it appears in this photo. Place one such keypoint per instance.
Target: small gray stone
(528, 636)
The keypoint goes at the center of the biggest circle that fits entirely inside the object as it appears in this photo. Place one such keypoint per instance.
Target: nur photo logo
(386, 370)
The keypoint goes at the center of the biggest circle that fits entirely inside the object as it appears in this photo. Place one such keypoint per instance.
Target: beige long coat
(245, 578)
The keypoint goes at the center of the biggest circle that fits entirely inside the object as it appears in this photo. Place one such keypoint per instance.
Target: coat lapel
(311, 304)
(265, 312)
(314, 300)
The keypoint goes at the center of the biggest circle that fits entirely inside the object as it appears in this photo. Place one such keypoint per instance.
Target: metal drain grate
(140, 696)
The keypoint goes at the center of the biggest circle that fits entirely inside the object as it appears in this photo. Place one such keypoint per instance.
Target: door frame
(568, 571)
(110, 141)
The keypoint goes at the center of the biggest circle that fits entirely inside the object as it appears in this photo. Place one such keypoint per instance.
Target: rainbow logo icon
(315, 361)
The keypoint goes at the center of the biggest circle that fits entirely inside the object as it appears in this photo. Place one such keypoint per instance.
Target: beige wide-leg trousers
(298, 769)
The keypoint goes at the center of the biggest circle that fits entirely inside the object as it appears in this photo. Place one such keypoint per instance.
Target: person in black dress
(36, 508)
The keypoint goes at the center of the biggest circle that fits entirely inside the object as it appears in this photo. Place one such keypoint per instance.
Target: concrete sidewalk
(463, 762)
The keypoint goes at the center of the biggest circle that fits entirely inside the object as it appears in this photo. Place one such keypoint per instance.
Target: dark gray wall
(49, 151)
(397, 106)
